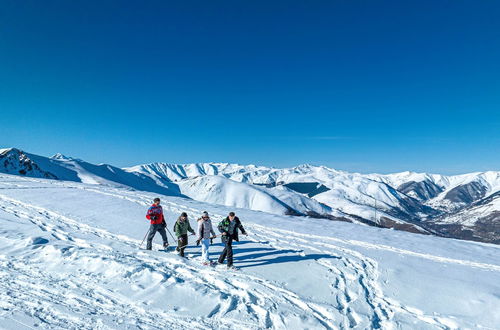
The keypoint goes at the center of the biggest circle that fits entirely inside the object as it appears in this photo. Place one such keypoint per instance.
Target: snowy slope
(70, 259)
(219, 190)
(278, 200)
(299, 202)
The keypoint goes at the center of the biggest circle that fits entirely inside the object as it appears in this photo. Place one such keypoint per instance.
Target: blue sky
(379, 86)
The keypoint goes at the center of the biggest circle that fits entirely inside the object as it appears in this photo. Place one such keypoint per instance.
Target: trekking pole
(170, 234)
(144, 238)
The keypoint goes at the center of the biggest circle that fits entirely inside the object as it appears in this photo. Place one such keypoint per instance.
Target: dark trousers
(152, 231)
(227, 252)
(182, 242)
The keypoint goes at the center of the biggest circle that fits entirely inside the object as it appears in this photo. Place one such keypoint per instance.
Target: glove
(153, 217)
(198, 242)
(164, 224)
(211, 241)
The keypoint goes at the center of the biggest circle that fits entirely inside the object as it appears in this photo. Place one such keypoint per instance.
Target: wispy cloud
(328, 138)
(314, 138)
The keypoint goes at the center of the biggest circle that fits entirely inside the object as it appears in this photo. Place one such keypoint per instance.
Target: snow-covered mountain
(350, 194)
(477, 221)
(445, 192)
(15, 161)
(407, 201)
(278, 200)
(416, 202)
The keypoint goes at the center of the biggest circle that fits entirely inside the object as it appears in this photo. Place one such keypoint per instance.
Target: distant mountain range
(461, 206)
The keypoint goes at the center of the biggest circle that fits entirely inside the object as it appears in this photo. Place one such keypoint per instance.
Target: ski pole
(144, 238)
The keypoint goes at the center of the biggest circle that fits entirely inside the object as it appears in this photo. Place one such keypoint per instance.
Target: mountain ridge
(417, 202)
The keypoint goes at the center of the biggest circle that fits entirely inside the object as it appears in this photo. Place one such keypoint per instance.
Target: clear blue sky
(369, 86)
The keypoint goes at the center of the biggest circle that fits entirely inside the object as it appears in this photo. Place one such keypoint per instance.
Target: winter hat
(204, 214)
(184, 214)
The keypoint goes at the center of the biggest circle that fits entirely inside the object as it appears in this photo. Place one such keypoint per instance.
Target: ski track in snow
(53, 298)
(260, 301)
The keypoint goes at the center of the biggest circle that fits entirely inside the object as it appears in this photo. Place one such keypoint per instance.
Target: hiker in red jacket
(158, 224)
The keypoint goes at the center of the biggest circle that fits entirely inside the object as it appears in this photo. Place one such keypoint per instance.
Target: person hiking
(205, 234)
(158, 224)
(229, 231)
(181, 229)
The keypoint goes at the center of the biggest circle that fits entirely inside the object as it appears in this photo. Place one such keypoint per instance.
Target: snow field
(70, 258)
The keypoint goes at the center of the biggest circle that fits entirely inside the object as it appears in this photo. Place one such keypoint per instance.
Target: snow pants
(227, 252)
(152, 231)
(182, 242)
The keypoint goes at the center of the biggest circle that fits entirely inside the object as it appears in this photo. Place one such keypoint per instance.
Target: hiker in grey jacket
(205, 233)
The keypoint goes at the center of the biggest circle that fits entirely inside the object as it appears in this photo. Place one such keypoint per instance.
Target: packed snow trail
(69, 258)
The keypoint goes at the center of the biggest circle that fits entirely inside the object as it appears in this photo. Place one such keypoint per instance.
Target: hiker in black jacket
(229, 230)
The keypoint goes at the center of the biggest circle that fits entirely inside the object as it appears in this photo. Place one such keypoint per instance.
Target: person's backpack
(223, 226)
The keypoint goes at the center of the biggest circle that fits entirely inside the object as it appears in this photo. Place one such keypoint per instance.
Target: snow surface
(70, 258)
